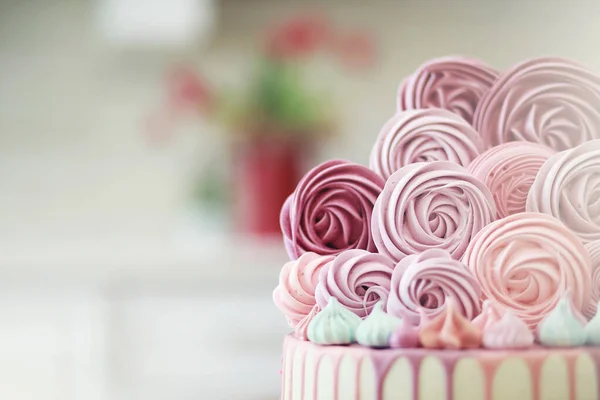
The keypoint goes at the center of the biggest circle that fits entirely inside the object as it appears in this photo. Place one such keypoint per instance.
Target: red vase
(266, 172)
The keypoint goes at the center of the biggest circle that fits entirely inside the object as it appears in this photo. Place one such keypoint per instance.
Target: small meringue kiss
(510, 332)
(562, 327)
(405, 337)
(376, 329)
(490, 315)
(449, 330)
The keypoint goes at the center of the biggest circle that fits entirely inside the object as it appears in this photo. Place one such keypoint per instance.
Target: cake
(464, 262)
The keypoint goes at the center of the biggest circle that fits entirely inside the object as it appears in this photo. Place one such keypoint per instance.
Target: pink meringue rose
(510, 332)
(509, 170)
(436, 205)
(449, 330)
(524, 263)
(567, 187)
(593, 249)
(295, 294)
(490, 315)
(357, 279)
(453, 83)
(424, 135)
(424, 282)
(330, 210)
(551, 101)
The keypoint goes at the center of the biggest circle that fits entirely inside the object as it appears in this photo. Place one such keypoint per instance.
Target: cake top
(477, 222)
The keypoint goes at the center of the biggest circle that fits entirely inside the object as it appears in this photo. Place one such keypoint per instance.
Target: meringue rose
(509, 170)
(593, 249)
(453, 83)
(567, 187)
(424, 135)
(294, 296)
(449, 330)
(524, 262)
(357, 279)
(422, 283)
(330, 210)
(436, 205)
(510, 332)
(491, 313)
(551, 101)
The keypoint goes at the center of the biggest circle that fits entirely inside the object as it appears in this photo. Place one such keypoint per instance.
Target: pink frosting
(449, 330)
(551, 101)
(405, 337)
(330, 210)
(489, 316)
(424, 282)
(509, 332)
(357, 279)
(509, 170)
(295, 294)
(568, 187)
(301, 329)
(454, 83)
(593, 249)
(524, 263)
(430, 205)
(424, 135)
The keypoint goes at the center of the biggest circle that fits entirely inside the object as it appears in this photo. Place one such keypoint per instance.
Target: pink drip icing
(535, 363)
(571, 360)
(449, 364)
(316, 377)
(489, 366)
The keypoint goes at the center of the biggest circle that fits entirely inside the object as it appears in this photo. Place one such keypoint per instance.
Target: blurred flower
(355, 49)
(296, 38)
(186, 90)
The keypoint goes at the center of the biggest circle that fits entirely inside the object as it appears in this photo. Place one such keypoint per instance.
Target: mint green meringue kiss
(561, 328)
(334, 325)
(376, 329)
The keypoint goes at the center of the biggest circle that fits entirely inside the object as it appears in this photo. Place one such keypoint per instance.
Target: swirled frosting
(376, 329)
(406, 336)
(551, 101)
(593, 249)
(510, 332)
(592, 331)
(424, 282)
(525, 261)
(301, 329)
(430, 205)
(357, 279)
(568, 187)
(295, 294)
(454, 83)
(491, 313)
(421, 136)
(333, 325)
(509, 170)
(449, 330)
(330, 210)
(561, 328)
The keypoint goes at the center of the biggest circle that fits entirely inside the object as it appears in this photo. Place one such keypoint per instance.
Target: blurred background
(147, 145)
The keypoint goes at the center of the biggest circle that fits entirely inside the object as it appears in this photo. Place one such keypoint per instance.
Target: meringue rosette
(330, 210)
(436, 205)
(357, 279)
(593, 249)
(491, 313)
(453, 83)
(509, 170)
(567, 187)
(449, 330)
(295, 293)
(422, 283)
(524, 263)
(551, 101)
(422, 136)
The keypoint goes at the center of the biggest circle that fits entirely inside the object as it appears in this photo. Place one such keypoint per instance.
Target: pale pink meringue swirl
(357, 279)
(422, 284)
(551, 101)
(490, 315)
(430, 205)
(510, 332)
(593, 249)
(424, 135)
(295, 294)
(454, 83)
(567, 187)
(330, 210)
(526, 261)
(509, 170)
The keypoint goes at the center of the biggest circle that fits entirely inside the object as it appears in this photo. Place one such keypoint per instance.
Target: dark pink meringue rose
(422, 284)
(357, 279)
(551, 101)
(330, 210)
(436, 205)
(454, 83)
